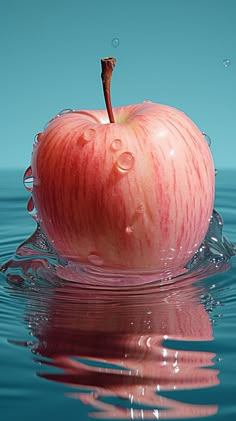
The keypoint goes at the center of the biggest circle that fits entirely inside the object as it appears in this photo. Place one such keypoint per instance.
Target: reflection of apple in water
(132, 191)
(107, 346)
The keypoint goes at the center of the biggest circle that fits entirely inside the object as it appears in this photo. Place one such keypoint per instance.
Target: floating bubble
(116, 144)
(115, 42)
(147, 100)
(28, 179)
(208, 139)
(125, 161)
(226, 62)
(216, 171)
(89, 134)
(36, 253)
(95, 259)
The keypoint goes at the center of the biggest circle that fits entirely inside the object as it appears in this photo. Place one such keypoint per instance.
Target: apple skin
(136, 194)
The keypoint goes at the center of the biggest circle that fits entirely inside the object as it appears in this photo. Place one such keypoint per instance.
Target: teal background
(169, 51)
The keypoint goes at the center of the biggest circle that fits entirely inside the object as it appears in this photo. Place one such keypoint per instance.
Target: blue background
(169, 51)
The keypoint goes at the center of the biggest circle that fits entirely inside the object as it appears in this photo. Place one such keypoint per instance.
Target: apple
(125, 189)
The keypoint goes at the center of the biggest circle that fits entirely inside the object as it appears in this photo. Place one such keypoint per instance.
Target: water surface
(161, 351)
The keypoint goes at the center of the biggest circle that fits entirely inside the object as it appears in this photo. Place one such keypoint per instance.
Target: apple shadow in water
(111, 347)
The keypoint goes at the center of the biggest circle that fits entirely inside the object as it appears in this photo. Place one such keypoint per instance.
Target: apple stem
(108, 65)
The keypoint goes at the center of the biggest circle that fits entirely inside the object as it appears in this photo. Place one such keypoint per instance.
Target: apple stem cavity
(108, 65)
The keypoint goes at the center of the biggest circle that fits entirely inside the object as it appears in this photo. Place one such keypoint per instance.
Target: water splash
(36, 262)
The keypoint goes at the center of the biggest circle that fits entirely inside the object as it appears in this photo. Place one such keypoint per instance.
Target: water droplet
(115, 42)
(95, 259)
(226, 62)
(65, 111)
(116, 144)
(31, 209)
(208, 139)
(28, 179)
(37, 137)
(147, 100)
(216, 171)
(89, 134)
(129, 229)
(125, 161)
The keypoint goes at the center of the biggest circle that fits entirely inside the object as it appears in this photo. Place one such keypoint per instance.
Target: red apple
(134, 194)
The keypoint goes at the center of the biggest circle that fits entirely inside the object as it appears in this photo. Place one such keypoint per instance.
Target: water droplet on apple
(226, 62)
(116, 144)
(37, 137)
(129, 230)
(31, 208)
(115, 42)
(89, 134)
(95, 259)
(65, 111)
(28, 179)
(147, 100)
(216, 171)
(208, 139)
(125, 161)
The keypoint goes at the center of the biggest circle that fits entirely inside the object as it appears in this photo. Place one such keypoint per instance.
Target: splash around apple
(124, 189)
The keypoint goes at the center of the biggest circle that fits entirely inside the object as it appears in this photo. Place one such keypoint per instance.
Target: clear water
(165, 350)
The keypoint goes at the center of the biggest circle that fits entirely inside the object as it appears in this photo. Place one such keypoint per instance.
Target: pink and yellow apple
(136, 194)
